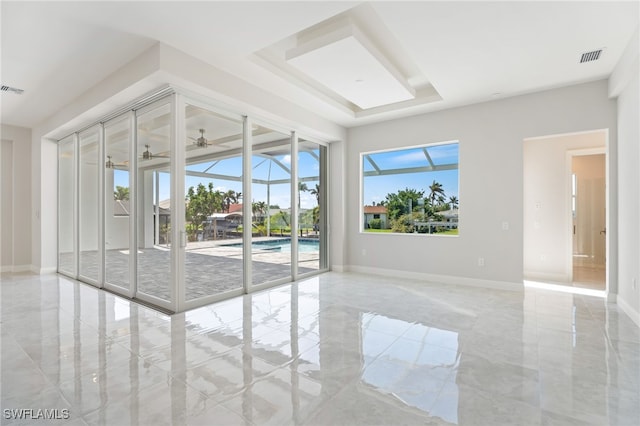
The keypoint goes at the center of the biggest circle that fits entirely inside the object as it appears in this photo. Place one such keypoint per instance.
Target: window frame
(361, 167)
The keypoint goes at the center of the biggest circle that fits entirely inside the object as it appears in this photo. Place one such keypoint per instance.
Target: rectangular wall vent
(591, 56)
(11, 89)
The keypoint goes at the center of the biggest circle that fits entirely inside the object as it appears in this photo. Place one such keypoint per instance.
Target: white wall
(546, 192)
(626, 85)
(18, 199)
(6, 205)
(337, 203)
(491, 182)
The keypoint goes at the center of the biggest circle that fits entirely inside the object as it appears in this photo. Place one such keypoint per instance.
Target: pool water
(284, 245)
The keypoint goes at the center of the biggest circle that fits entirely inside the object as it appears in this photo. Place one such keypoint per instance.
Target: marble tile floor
(338, 348)
(587, 276)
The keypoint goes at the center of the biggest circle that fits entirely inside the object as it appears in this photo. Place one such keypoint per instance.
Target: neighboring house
(376, 212)
(235, 208)
(450, 215)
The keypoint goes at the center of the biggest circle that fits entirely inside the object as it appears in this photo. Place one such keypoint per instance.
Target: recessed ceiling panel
(352, 71)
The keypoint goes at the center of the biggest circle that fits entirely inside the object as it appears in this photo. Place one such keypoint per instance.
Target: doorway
(558, 202)
(588, 215)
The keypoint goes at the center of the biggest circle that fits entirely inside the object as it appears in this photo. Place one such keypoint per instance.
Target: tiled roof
(375, 209)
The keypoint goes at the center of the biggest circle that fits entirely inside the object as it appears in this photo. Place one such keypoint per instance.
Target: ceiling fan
(201, 142)
(147, 155)
(109, 164)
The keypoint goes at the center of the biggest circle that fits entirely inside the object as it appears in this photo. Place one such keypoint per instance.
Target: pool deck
(211, 267)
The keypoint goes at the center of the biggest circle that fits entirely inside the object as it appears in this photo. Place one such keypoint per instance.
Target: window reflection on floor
(415, 368)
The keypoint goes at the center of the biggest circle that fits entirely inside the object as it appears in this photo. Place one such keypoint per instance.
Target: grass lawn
(449, 232)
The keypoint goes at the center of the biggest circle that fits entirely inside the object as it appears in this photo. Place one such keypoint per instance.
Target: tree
(453, 201)
(201, 202)
(398, 203)
(258, 209)
(229, 197)
(316, 191)
(436, 192)
(302, 187)
(121, 193)
(261, 208)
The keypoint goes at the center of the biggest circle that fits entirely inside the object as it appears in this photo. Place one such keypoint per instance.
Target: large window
(411, 190)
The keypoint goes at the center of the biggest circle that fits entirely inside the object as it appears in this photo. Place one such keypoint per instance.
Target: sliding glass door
(312, 207)
(117, 204)
(271, 206)
(213, 257)
(67, 260)
(88, 205)
(152, 204)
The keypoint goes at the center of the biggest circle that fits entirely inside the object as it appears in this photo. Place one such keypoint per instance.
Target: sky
(280, 194)
(375, 188)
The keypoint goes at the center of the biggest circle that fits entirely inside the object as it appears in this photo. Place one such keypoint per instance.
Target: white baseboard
(338, 268)
(21, 268)
(547, 277)
(633, 314)
(44, 271)
(442, 279)
(16, 268)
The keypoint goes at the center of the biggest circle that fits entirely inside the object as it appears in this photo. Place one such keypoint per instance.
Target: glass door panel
(117, 203)
(153, 196)
(271, 206)
(213, 203)
(88, 214)
(66, 206)
(311, 215)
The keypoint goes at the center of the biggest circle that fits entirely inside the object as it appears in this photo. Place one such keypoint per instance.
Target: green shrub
(403, 224)
(375, 224)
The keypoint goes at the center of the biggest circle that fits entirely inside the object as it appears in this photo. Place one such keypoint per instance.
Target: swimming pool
(283, 245)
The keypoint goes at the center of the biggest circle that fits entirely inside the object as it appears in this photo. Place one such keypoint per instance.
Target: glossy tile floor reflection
(335, 349)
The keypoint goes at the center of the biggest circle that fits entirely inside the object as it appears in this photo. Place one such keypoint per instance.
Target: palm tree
(121, 193)
(302, 187)
(262, 208)
(316, 191)
(258, 208)
(435, 191)
(254, 211)
(229, 197)
(453, 200)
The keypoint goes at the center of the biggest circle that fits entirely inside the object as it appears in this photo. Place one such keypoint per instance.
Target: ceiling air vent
(591, 56)
(11, 89)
